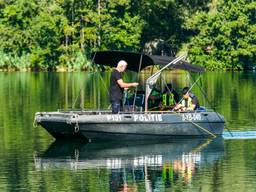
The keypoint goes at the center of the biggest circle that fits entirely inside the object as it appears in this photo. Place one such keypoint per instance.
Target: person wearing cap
(117, 86)
(189, 102)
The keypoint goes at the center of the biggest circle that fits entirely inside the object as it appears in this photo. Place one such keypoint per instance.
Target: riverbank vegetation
(62, 34)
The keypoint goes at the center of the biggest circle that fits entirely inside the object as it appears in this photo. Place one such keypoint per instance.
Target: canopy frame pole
(165, 85)
(153, 78)
(203, 93)
(195, 82)
(136, 89)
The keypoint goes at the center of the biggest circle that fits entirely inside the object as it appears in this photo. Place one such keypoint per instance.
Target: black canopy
(111, 58)
(188, 67)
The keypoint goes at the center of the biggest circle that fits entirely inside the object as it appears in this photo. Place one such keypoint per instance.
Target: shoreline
(66, 69)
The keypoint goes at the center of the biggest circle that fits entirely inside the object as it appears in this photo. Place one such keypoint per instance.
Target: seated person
(169, 98)
(189, 102)
(154, 99)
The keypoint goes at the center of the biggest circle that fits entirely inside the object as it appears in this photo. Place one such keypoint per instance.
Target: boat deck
(105, 112)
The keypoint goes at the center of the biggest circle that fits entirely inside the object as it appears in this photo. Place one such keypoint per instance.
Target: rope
(94, 72)
(226, 127)
(188, 91)
(203, 145)
(195, 124)
(210, 133)
(82, 85)
(203, 92)
(200, 127)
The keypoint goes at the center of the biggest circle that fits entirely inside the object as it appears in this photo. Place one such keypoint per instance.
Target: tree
(225, 38)
(47, 29)
(64, 33)
(163, 22)
(14, 34)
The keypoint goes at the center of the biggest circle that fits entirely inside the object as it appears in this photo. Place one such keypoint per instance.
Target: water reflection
(23, 94)
(132, 166)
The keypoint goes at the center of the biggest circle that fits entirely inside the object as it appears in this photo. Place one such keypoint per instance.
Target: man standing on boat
(117, 85)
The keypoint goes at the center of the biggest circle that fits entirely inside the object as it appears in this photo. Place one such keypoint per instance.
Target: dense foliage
(226, 37)
(62, 34)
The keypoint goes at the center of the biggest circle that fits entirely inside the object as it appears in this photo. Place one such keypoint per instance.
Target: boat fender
(76, 124)
(76, 128)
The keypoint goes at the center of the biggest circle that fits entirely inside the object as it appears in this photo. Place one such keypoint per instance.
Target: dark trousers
(116, 106)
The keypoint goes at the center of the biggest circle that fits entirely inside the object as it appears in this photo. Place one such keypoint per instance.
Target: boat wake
(239, 135)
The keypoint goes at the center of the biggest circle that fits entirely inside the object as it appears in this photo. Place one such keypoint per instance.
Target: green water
(30, 160)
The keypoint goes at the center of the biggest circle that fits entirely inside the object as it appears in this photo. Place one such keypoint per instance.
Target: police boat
(134, 124)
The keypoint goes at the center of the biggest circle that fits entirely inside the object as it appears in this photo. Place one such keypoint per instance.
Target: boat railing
(104, 112)
(82, 111)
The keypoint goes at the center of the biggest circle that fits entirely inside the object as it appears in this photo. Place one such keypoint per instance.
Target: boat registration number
(191, 117)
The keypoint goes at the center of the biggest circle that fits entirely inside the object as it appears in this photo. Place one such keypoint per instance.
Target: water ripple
(239, 135)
